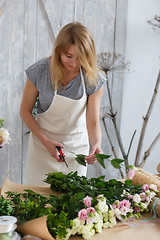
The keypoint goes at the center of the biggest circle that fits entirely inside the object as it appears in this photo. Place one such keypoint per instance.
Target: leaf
(100, 158)
(116, 162)
(80, 159)
(103, 156)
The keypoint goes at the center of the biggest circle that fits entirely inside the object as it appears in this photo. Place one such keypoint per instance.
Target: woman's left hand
(91, 159)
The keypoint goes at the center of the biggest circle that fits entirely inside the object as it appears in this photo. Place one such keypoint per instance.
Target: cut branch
(112, 147)
(147, 153)
(145, 121)
(113, 117)
(131, 144)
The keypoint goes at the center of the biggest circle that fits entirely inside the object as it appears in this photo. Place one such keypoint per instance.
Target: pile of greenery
(61, 210)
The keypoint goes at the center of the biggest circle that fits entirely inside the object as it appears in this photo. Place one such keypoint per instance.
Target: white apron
(64, 122)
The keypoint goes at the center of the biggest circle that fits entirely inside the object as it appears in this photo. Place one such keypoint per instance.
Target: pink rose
(145, 187)
(130, 196)
(87, 201)
(148, 198)
(91, 210)
(143, 196)
(131, 173)
(124, 211)
(82, 214)
(125, 203)
(137, 209)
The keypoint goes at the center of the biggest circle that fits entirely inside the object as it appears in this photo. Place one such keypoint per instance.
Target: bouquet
(4, 134)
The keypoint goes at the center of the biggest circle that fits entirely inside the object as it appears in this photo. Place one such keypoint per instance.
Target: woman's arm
(93, 124)
(29, 98)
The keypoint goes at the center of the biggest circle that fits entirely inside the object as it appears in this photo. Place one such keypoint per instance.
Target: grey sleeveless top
(39, 75)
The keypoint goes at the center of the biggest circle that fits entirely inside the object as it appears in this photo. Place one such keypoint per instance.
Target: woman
(69, 90)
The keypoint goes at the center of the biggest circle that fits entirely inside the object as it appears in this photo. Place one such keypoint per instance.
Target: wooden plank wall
(27, 32)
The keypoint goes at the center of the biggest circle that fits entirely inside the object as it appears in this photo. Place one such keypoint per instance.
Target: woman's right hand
(51, 147)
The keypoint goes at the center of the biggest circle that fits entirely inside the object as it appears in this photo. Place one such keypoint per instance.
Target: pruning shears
(61, 156)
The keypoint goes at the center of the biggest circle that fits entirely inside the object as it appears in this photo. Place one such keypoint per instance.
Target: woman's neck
(69, 76)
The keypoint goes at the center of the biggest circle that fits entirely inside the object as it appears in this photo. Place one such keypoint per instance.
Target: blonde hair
(74, 34)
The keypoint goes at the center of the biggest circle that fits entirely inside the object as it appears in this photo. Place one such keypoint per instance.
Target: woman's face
(70, 59)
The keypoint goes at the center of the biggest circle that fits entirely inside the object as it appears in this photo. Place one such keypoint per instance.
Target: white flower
(147, 192)
(106, 224)
(124, 211)
(136, 198)
(102, 207)
(106, 217)
(148, 198)
(117, 212)
(97, 217)
(153, 187)
(113, 221)
(4, 136)
(77, 225)
(110, 214)
(152, 194)
(124, 193)
(69, 233)
(109, 224)
(77, 222)
(143, 206)
(87, 231)
(98, 226)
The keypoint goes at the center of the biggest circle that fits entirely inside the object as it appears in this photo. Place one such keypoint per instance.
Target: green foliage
(24, 206)
(58, 223)
(116, 163)
(61, 210)
(1, 122)
(80, 158)
(73, 183)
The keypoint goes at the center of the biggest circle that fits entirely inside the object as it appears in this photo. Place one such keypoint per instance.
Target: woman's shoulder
(38, 71)
(38, 66)
(101, 79)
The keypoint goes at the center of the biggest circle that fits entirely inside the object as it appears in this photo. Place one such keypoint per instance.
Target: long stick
(145, 121)
(147, 153)
(112, 147)
(113, 117)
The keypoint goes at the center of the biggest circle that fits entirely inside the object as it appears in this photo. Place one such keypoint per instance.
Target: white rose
(4, 136)
(110, 214)
(89, 234)
(97, 217)
(153, 187)
(106, 225)
(136, 198)
(152, 194)
(87, 231)
(143, 205)
(98, 226)
(117, 212)
(102, 207)
(76, 223)
(69, 233)
(113, 221)
(105, 216)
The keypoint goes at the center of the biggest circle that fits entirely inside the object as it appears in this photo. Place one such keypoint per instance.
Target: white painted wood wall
(27, 32)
